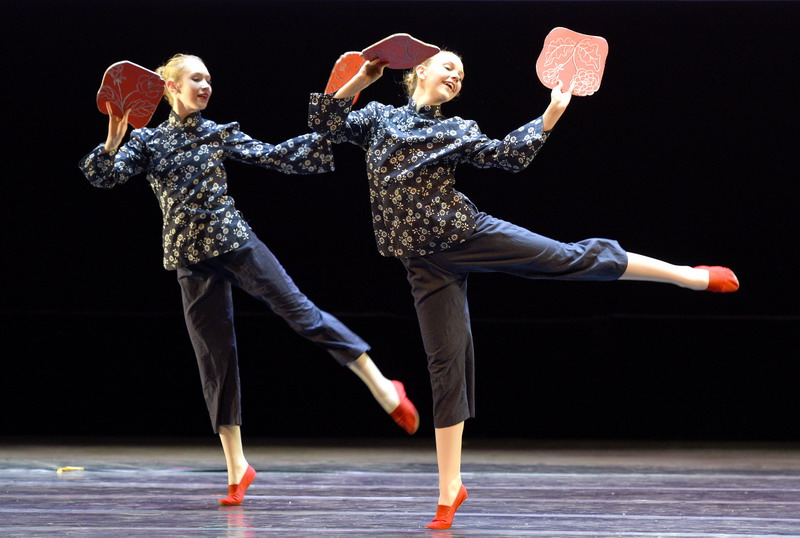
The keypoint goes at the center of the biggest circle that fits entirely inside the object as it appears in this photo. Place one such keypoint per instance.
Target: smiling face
(439, 79)
(192, 89)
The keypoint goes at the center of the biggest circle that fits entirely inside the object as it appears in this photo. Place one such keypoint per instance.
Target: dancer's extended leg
(720, 279)
(390, 394)
(380, 387)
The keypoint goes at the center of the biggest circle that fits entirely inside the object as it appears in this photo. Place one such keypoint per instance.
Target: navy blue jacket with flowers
(411, 159)
(183, 161)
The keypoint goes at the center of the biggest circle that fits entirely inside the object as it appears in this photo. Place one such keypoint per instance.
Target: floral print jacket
(183, 161)
(411, 160)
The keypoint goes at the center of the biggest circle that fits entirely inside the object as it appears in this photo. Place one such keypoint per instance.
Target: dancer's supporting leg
(448, 460)
(240, 473)
(451, 491)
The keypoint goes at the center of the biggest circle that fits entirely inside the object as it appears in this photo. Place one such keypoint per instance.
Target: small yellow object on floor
(62, 469)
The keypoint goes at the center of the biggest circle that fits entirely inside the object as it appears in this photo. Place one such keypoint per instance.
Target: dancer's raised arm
(559, 100)
(117, 127)
(369, 73)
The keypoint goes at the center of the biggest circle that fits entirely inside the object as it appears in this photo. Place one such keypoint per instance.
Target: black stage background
(686, 153)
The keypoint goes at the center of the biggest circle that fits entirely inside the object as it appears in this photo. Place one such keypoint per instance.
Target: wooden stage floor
(160, 488)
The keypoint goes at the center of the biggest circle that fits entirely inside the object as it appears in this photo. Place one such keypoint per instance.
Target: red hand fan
(344, 69)
(401, 51)
(129, 86)
(569, 56)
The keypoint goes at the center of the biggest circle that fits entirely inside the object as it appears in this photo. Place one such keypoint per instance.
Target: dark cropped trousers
(439, 287)
(208, 310)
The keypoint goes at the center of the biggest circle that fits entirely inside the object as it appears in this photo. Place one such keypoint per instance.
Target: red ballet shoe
(236, 491)
(720, 279)
(444, 514)
(405, 414)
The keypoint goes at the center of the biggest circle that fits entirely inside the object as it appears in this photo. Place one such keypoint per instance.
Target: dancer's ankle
(387, 396)
(382, 389)
(448, 493)
(698, 279)
(237, 471)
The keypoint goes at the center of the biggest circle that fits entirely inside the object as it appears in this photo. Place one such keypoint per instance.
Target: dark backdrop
(687, 153)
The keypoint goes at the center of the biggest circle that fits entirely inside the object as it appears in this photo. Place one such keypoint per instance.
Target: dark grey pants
(439, 287)
(208, 310)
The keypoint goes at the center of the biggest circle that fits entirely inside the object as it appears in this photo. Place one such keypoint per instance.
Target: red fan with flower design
(572, 57)
(402, 51)
(129, 86)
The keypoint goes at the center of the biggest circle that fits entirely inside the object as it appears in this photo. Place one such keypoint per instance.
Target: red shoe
(405, 414)
(720, 279)
(236, 491)
(444, 514)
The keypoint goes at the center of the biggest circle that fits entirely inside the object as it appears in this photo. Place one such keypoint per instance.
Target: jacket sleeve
(335, 119)
(107, 170)
(513, 153)
(309, 153)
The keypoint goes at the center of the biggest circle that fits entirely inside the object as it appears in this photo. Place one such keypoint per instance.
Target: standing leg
(448, 460)
(208, 311)
(231, 438)
(440, 299)
(451, 491)
(240, 473)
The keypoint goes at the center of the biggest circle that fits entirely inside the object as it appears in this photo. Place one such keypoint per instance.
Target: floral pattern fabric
(411, 160)
(183, 161)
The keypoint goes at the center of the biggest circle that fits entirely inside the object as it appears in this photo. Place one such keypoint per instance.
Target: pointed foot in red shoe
(720, 279)
(405, 414)
(236, 491)
(444, 513)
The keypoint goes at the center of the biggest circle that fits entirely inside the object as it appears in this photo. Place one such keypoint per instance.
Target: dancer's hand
(558, 104)
(369, 73)
(117, 127)
(559, 98)
(373, 69)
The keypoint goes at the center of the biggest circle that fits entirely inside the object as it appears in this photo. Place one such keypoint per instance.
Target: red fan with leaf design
(129, 86)
(569, 56)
